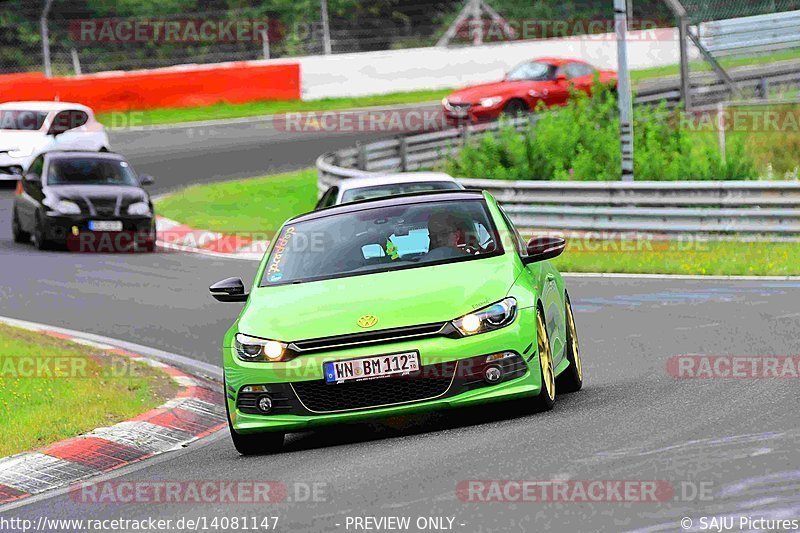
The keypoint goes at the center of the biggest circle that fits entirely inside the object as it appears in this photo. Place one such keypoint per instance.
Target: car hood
(20, 139)
(472, 95)
(128, 194)
(398, 298)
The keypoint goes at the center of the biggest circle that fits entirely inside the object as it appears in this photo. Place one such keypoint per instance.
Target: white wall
(382, 72)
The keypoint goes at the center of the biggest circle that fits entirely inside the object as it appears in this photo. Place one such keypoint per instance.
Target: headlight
(66, 207)
(139, 209)
(255, 349)
(489, 102)
(446, 104)
(495, 316)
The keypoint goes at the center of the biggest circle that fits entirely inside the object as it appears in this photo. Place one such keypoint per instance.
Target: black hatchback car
(86, 201)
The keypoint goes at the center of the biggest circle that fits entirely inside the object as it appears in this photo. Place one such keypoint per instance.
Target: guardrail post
(762, 89)
(464, 136)
(402, 150)
(362, 156)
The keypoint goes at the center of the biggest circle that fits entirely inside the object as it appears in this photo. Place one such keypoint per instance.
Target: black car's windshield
(392, 189)
(22, 120)
(381, 239)
(89, 171)
(532, 71)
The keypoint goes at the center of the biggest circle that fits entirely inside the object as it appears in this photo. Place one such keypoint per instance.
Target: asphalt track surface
(735, 439)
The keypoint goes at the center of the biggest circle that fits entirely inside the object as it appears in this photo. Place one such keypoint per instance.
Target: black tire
(515, 107)
(20, 236)
(546, 398)
(571, 379)
(254, 443)
(38, 235)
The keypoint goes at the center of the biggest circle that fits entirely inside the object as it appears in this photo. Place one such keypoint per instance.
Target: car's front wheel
(16, 229)
(39, 235)
(547, 395)
(571, 380)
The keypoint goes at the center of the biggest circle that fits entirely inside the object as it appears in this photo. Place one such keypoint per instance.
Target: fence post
(721, 130)
(76, 62)
(362, 156)
(45, 38)
(402, 150)
(326, 29)
(265, 43)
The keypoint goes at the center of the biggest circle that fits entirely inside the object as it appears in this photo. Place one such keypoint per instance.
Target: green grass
(261, 205)
(91, 389)
(725, 258)
(703, 66)
(224, 110)
(258, 205)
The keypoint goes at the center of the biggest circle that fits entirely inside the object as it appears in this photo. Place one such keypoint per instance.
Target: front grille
(105, 206)
(368, 337)
(319, 397)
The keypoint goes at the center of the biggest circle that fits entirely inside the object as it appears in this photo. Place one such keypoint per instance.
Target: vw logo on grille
(367, 321)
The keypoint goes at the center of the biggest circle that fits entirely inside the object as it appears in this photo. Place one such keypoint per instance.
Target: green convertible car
(391, 306)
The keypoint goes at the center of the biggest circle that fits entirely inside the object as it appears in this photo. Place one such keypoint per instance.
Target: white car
(355, 189)
(28, 129)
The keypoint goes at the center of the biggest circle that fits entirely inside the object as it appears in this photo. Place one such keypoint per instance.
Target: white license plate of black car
(105, 225)
(374, 367)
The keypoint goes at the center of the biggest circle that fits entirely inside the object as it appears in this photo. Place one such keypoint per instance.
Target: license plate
(105, 225)
(376, 367)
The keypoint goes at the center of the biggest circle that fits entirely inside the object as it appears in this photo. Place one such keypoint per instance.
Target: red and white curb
(196, 411)
(173, 235)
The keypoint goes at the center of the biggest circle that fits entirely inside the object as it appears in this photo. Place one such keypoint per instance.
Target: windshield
(533, 71)
(391, 189)
(382, 239)
(88, 171)
(22, 120)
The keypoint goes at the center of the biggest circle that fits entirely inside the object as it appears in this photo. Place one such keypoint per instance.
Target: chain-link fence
(99, 35)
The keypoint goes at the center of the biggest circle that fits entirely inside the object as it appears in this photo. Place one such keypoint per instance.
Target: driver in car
(445, 233)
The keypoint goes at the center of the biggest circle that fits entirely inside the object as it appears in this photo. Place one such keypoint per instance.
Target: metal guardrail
(754, 208)
(760, 33)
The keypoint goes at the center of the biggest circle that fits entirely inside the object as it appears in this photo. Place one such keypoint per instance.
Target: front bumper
(295, 386)
(474, 115)
(73, 230)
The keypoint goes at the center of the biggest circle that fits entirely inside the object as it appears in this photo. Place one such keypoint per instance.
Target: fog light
(492, 374)
(264, 404)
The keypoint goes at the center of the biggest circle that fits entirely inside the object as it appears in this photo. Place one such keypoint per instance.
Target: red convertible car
(545, 80)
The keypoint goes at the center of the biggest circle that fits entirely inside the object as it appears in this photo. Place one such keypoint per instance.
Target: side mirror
(561, 77)
(541, 248)
(229, 290)
(146, 179)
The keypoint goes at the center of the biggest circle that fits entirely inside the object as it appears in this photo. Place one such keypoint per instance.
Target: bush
(581, 142)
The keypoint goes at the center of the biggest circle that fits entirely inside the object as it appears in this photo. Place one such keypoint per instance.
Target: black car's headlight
(490, 318)
(256, 349)
(139, 209)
